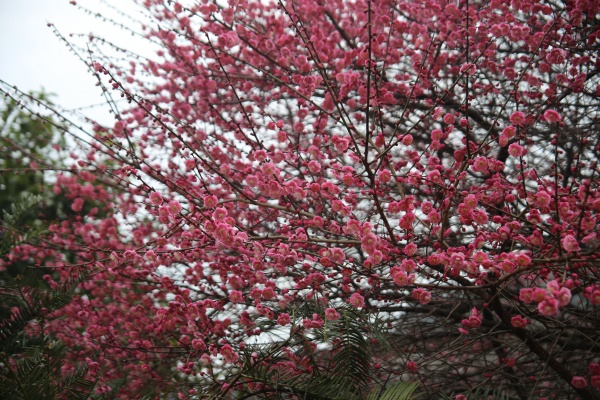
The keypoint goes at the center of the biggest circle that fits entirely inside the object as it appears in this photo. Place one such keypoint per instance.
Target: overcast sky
(32, 57)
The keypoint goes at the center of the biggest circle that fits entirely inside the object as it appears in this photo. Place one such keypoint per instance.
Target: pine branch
(11, 235)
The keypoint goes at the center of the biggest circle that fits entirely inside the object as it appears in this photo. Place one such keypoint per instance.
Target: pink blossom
(260, 155)
(190, 164)
(457, 260)
(317, 322)
(268, 293)
(223, 233)
(556, 56)
(146, 368)
(434, 176)
(331, 314)
(526, 295)
(93, 366)
(480, 164)
(252, 181)
(425, 297)
(269, 169)
(341, 144)
(435, 259)
(421, 295)
(230, 39)
(473, 321)
(516, 150)
(471, 202)
(407, 220)
(412, 366)
(563, 296)
(480, 217)
(542, 199)
(523, 260)
(230, 355)
(210, 201)
(517, 118)
(394, 207)
(77, 205)
(553, 286)
(401, 278)
(480, 257)
(437, 134)
(552, 116)
(548, 307)
(337, 255)
(539, 295)
(426, 207)
(281, 136)
(570, 244)
(357, 300)
(219, 214)
(449, 119)
(283, 319)
(369, 242)
(518, 321)
(198, 344)
(578, 382)
(408, 265)
(314, 167)
(385, 176)
(376, 257)
(236, 296)
(352, 227)
(509, 131)
(410, 249)
(156, 199)
(150, 255)
(468, 69)
(174, 207)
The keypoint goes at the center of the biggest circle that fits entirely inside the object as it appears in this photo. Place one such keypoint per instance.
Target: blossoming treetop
(427, 168)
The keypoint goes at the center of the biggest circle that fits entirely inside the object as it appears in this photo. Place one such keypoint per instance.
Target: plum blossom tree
(310, 198)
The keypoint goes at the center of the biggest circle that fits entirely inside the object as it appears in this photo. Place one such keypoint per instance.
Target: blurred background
(33, 57)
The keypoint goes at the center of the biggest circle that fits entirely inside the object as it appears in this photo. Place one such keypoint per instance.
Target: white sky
(32, 57)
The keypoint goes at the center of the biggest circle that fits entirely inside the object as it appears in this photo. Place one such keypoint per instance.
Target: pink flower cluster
(549, 299)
